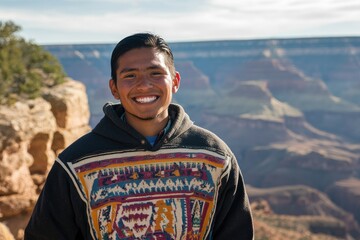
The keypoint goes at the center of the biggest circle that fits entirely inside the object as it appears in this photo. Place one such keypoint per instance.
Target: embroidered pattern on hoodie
(170, 194)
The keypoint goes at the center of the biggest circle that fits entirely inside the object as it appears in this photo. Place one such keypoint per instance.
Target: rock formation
(346, 193)
(5, 233)
(314, 212)
(32, 133)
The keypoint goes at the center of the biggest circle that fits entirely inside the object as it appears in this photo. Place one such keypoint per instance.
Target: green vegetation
(25, 68)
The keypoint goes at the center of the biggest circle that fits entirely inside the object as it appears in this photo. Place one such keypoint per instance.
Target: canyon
(288, 108)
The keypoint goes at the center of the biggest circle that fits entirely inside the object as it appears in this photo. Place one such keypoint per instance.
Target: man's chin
(143, 118)
(146, 118)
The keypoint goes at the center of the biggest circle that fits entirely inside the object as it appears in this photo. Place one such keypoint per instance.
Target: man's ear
(176, 82)
(113, 89)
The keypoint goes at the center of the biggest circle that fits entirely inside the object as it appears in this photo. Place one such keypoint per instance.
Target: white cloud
(110, 20)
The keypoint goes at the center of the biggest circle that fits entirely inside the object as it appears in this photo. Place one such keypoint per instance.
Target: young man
(145, 171)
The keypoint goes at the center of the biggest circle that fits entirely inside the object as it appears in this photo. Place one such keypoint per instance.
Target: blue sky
(108, 21)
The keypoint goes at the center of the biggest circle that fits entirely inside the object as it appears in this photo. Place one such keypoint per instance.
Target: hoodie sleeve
(233, 218)
(53, 216)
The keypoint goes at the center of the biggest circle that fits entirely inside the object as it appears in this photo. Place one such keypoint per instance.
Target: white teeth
(145, 99)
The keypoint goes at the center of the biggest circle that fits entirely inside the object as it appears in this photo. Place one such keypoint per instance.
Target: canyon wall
(32, 133)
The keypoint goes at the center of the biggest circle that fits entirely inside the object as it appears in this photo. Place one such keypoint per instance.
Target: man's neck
(150, 127)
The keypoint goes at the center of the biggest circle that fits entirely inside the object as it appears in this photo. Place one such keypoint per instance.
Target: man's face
(144, 84)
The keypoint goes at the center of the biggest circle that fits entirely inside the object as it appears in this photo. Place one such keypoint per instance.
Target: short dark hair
(139, 40)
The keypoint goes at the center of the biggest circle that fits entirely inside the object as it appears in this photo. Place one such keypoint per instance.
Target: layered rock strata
(32, 133)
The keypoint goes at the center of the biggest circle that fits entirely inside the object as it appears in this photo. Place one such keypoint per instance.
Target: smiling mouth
(148, 99)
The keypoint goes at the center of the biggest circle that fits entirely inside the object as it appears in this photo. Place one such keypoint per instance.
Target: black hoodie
(113, 184)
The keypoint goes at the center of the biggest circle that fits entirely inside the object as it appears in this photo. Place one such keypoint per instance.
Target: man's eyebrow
(125, 70)
(155, 66)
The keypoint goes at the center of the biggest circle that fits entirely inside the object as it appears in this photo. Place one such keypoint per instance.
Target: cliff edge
(32, 133)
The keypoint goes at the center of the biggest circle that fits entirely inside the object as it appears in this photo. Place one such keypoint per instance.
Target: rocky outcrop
(346, 193)
(32, 132)
(344, 123)
(70, 107)
(192, 77)
(298, 200)
(5, 233)
(269, 225)
(308, 203)
(314, 163)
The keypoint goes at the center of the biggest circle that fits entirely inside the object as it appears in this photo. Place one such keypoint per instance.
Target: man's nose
(144, 82)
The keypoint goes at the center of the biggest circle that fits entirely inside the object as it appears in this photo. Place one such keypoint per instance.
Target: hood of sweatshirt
(113, 127)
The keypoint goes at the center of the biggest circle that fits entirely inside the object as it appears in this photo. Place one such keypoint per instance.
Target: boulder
(5, 233)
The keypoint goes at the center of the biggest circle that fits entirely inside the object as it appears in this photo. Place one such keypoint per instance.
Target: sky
(108, 21)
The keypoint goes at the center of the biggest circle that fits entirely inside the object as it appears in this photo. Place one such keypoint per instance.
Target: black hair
(139, 40)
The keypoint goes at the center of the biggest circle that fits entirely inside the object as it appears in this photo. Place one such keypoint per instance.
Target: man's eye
(129, 76)
(156, 73)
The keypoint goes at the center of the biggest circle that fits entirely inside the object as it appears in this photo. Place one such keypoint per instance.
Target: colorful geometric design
(169, 194)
